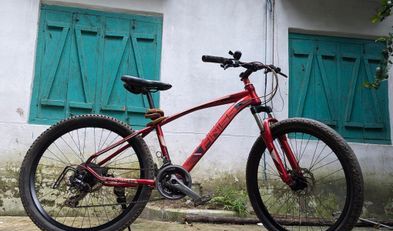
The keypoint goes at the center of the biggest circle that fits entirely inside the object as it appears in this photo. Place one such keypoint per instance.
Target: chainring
(164, 175)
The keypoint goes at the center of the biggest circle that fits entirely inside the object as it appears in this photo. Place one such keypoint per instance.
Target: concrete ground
(24, 223)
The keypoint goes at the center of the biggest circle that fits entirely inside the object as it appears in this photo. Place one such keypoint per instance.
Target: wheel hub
(303, 184)
(83, 182)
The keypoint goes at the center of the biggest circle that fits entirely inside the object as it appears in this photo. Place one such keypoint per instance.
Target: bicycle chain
(116, 204)
(136, 202)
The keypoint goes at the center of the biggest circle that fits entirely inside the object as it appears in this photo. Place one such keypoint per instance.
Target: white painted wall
(191, 29)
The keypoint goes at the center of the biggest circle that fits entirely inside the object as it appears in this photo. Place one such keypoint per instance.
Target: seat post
(150, 99)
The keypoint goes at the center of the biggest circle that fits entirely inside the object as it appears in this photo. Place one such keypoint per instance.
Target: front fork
(267, 137)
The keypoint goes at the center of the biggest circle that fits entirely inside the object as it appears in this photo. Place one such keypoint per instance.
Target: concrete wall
(190, 29)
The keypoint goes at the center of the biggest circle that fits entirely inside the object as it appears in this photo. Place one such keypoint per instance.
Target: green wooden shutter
(116, 60)
(313, 88)
(49, 97)
(326, 83)
(365, 111)
(81, 56)
(84, 59)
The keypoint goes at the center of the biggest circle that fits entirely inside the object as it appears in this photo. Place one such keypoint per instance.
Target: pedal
(202, 200)
(177, 184)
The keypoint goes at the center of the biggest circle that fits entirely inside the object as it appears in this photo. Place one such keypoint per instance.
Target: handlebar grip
(213, 59)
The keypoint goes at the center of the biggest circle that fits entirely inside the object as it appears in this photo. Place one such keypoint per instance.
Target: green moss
(378, 198)
(9, 180)
(49, 203)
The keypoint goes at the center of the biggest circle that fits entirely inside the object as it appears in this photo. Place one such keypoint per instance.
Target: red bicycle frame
(240, 100)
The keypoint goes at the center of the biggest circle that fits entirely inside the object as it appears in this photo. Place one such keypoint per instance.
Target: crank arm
(177, 184)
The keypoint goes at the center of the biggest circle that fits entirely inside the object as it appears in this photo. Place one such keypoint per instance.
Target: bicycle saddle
(137, 85)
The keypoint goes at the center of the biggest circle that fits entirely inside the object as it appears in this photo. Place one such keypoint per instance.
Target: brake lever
(231, 63)
(275, 69)
(225, 66)
(278, 71)
(284, 75)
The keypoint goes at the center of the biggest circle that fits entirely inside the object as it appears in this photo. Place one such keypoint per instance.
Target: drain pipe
(269, 10)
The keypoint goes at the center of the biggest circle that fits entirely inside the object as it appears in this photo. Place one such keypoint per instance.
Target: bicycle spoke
(305, 146)
(316, 159)
(105, 140)
(62, 153)
(76, 154)
(99, 206)
(84, 145)
(331, 162)
(76, 145)
(320, 165)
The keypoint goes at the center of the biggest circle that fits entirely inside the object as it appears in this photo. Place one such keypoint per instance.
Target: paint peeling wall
(191, 29)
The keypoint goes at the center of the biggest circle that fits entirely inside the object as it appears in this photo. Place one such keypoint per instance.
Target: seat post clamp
(156, 115)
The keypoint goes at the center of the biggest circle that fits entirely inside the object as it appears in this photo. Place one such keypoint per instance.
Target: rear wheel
(76, 200)
(333, 196)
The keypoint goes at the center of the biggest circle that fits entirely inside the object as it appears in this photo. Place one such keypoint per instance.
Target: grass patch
(229, 193)
(231, 199)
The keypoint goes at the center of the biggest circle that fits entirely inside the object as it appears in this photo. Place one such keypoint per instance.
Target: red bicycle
(93, 172)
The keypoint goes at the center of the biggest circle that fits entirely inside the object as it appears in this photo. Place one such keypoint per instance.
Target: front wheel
(333, 196)
(59, 195)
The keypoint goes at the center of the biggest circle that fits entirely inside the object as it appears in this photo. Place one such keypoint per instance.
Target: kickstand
(121, 198)
(376, 224)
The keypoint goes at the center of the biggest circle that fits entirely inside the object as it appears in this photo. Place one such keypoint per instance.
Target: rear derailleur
(81, 182)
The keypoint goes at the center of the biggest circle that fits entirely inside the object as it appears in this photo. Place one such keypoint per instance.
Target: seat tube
(160, 133)
(161, 141)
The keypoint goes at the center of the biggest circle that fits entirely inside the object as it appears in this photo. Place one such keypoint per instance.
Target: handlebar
(214, 59)
(234, 62)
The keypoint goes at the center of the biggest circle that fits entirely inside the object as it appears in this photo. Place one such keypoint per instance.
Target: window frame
(36, 97)
(340, 114)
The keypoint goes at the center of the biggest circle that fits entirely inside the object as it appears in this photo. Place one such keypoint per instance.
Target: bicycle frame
(240, 100)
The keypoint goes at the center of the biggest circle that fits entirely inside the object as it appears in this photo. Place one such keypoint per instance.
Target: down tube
(215, 132)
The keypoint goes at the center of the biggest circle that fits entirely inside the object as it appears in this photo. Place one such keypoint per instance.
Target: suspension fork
(267, 137)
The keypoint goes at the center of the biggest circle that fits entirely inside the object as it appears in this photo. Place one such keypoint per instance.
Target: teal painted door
(326, 83)
(81, 55)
